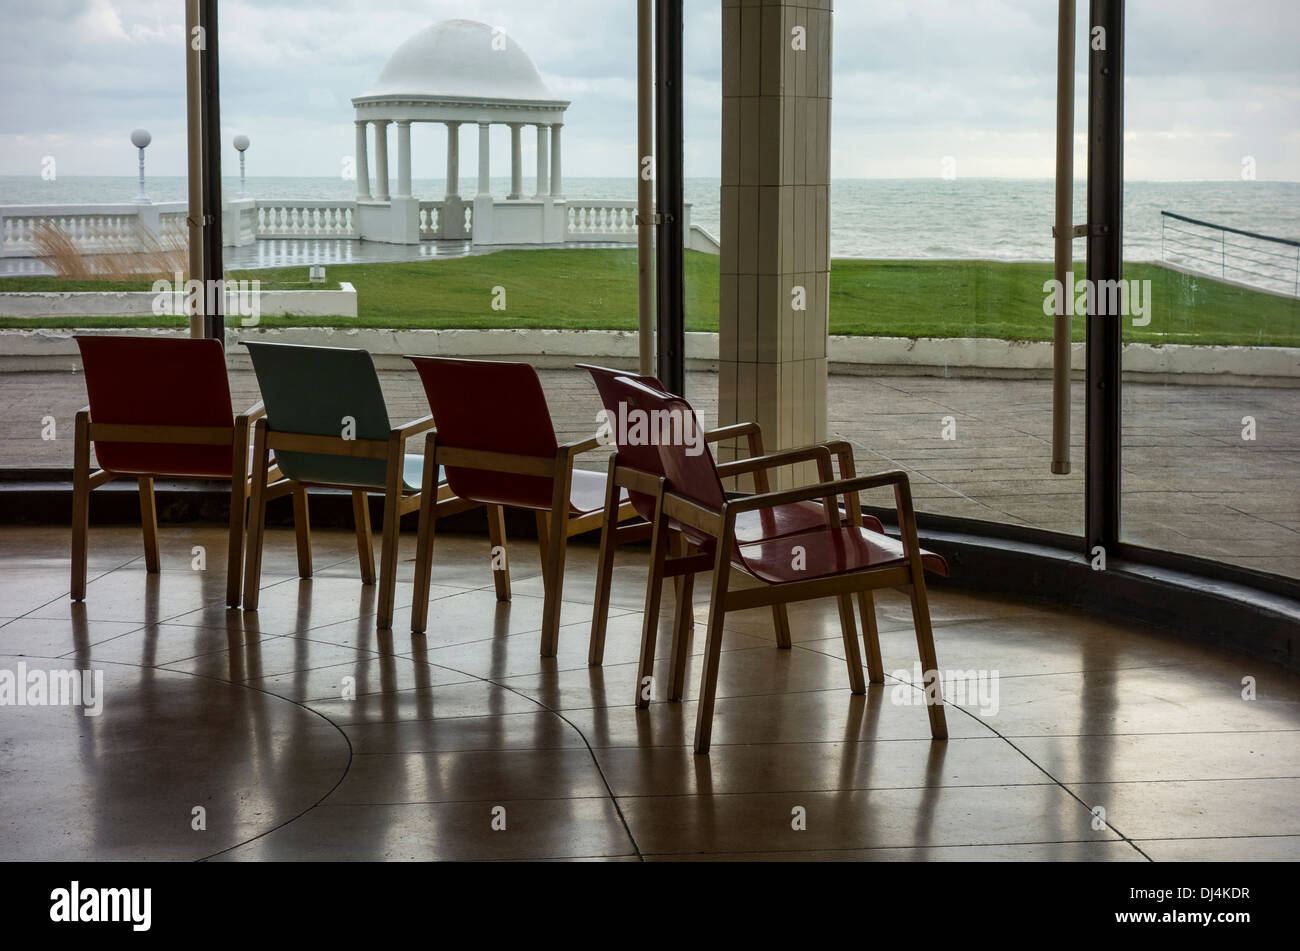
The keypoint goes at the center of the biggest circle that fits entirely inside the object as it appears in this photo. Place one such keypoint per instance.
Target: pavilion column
(453, 159)
(381, 159)
(543, 161)
(557, 190)
(516, 162)
(775, 260)
(403, 159)
(484, 158)
(362, 163)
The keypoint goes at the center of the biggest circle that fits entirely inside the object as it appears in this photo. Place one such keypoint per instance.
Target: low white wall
(39, 349)
(298, 303)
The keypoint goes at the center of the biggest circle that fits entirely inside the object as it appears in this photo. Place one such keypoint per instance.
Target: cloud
(914, 80)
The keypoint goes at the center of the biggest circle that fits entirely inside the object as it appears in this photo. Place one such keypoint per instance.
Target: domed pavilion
(460, 72)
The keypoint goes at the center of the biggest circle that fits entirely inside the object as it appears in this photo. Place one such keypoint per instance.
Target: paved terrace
(1191, 483)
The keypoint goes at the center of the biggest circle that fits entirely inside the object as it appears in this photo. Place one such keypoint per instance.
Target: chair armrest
(897, 478)
(256, 411)
(733, 431)
(414, 427)
(783, 457)
(578, 447)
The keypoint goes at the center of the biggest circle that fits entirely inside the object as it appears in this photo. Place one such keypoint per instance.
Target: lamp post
(241, 143)
(140, 138)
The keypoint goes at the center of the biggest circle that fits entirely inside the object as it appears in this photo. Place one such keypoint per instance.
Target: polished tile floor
(302, 733)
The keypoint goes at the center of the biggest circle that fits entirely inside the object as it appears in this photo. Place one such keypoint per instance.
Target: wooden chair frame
(86, 432)
(910, 573)
(397, 502)
(552, 542)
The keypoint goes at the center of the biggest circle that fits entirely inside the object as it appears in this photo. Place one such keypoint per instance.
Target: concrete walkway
(1192, 484)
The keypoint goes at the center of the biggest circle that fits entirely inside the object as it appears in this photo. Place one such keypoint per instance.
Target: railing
(601, 220)
(430, 220)
(1244, 257)
(433, 220)
(92, 228)
(306, 219)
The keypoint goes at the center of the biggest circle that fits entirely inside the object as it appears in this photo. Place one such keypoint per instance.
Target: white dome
(458, 58)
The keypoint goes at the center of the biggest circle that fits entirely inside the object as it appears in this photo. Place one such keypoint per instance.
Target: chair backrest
(318, 391)
(161, 381)
(637, 455)
(492, 406)
(672, 427)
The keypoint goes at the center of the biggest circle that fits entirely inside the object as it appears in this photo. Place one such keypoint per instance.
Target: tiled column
(775, 261)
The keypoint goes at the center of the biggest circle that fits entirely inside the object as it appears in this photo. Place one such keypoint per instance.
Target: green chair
(328, 426)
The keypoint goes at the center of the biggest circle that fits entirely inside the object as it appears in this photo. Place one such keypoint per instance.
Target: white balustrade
(306, 219)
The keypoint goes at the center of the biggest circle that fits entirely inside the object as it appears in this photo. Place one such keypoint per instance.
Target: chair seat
(413, 473)
(827, 553)
(587, 493)
(791, 519)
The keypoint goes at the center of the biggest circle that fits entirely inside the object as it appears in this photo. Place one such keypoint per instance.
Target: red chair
(754, 526)
(496, 443)
(159, 408)
(832, 561)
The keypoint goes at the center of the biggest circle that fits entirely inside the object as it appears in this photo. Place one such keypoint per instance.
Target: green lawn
(596, 289)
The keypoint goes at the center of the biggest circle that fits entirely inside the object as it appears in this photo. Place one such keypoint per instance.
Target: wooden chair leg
(555, 551)
(238, 513)
(149, 524)
(604, 571)
(921, 612)
(849, 631)
(496, 517)
(781, 621)
(365, 541)
(653, 593)
(871, 637)
(543, 538)
(392, 525)
(302, 530)
(683, 623)
(256, 518)
(80, 506)
(929, 662)
(424, 538)
(713, 644)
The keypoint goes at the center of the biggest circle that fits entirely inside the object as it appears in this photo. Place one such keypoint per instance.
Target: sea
(962, 218)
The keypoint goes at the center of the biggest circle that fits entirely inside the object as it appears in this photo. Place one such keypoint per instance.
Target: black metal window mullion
(214, 321)
(1105, 246)
(670, 336)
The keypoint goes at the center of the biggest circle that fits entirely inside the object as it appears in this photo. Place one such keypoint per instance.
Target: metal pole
(1105, 263)
(670, 338)
(194, 154)
(645, 184)
(214, 321)
(1061, 342)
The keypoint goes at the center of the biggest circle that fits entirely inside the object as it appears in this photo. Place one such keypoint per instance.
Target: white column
(362, 163)
(557, 188)
(381, 159)
(403, 159)
(543, 161)
(453, 160)
(484, 159)
(516, 162)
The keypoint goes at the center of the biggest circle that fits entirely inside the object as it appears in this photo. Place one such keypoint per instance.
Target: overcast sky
(1209, 82)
